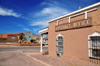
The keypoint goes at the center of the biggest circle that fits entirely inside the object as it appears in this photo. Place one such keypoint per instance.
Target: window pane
(96, 44)
(98, 41)
(95, 41)
(96, 52)
(60, 44)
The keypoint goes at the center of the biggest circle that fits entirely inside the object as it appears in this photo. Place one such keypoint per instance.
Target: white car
(45, 43)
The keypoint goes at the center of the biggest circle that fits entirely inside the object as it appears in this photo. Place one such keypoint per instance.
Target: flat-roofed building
(11, 37)
(75, 35)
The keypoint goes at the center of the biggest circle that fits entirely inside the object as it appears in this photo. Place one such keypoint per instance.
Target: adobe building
(3, 38)
(34, 36)
(11, 37)
(75, 35)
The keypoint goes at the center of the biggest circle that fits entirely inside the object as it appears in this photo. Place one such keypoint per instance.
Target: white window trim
(89, 46)
(89, 42)
(59, 35)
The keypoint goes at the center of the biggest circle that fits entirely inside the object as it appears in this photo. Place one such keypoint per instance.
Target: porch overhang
(44, 31)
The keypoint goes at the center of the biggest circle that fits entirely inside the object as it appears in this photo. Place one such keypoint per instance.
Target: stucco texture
(75, 41)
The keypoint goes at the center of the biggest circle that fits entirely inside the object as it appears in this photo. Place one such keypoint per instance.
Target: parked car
(45, 43)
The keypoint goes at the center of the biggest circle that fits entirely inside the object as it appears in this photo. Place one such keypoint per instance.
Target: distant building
(3, 38)
(14, 37)
(45, 40)
(11, 37)
(35, 37)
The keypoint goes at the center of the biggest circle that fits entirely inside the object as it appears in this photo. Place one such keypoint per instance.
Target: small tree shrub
(20, 41)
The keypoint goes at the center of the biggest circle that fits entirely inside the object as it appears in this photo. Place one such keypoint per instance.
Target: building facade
(76, 35)
(3, 38)
(35, 37)
(11, 37)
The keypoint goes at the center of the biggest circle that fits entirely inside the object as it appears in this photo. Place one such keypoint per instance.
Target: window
(59, 45)
(13, 37)
(94, 45)
(95, 41)
(96, 52)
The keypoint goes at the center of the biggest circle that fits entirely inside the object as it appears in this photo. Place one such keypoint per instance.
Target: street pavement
(21, 48)
(19, 58)
(15, 58)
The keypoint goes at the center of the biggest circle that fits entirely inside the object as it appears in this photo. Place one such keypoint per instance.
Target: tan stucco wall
(9, 38)
(75, 41)
(63, 21)
(78, 18)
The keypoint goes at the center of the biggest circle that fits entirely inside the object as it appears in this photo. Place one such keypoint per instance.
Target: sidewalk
(31, 46)
(59, 61)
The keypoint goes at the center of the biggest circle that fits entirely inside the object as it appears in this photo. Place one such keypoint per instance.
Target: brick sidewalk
(59, 61)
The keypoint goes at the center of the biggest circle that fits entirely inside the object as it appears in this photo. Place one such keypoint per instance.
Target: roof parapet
(88, 7)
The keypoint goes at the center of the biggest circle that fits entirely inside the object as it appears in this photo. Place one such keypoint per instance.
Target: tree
(21, 37)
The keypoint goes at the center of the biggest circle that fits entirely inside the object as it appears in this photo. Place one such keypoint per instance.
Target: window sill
(93, 57)
(96, 48)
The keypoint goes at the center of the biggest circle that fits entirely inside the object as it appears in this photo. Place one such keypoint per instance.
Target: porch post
(41, 43)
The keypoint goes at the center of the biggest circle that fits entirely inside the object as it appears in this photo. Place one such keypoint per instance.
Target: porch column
(41, 43)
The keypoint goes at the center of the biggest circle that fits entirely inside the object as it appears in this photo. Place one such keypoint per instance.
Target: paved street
(21, 48)
(17, 58)
(13, 58)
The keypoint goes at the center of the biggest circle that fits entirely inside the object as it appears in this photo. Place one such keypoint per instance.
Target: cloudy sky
(32, 15)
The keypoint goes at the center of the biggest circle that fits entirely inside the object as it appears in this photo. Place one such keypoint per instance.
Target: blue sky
(32, 15)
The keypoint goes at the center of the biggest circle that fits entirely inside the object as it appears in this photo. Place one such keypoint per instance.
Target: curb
(29, 46)
(39, 61)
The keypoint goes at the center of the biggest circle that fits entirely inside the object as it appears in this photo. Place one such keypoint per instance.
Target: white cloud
(24, 17)
(52, 11)
(47, 14)
(35, 29)
(39, 23)
(8, 12)
(26, 29)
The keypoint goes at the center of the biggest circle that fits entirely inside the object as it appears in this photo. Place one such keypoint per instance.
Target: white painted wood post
(57, 22)
(69, 19)
(85, 14)
(41, 43)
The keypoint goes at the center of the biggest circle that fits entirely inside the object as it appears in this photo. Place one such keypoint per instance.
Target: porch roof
(44, 31)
